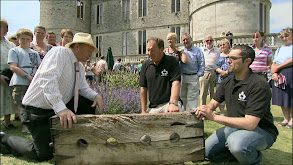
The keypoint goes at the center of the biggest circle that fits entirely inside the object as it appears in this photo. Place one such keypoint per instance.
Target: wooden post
(164, 138)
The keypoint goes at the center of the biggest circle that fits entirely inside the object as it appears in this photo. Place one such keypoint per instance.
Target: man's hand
(172, 108)
(224, 73)
(99, 100)
(3, 80)
(203, 112)
(66, 117)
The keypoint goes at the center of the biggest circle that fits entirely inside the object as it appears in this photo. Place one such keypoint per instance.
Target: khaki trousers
(207, 82)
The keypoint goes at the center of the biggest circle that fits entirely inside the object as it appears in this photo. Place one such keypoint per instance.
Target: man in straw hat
(50, 90)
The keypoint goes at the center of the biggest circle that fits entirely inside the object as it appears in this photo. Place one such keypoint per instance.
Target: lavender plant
(120, 93)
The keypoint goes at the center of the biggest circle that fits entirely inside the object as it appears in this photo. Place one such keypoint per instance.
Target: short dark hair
(102, 57)
(119, 59)
(159, 41)
(246, 52)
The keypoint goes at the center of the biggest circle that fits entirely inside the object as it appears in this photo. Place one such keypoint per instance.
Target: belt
(189, 73)
(31, 108)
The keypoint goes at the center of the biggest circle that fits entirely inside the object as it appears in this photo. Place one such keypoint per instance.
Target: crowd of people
(39, 80)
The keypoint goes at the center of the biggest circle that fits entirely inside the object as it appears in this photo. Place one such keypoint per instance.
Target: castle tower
(65, 14)
(241, 17)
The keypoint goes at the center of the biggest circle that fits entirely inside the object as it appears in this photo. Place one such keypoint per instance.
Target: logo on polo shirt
(164, 72)
(242, 96)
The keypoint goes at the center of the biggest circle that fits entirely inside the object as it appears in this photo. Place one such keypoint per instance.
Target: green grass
(279, 154)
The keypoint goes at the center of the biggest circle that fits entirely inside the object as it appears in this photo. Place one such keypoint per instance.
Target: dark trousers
(37, 122)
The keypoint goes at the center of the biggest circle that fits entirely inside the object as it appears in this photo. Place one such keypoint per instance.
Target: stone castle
(125, 25)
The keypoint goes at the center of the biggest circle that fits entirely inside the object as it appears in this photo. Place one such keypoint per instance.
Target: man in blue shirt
(191, 72)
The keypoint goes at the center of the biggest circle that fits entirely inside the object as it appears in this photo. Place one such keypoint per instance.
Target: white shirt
(53, 85)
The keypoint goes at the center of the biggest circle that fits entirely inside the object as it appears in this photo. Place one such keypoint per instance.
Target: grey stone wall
(57, 15)
(211, 17)
(157, 23)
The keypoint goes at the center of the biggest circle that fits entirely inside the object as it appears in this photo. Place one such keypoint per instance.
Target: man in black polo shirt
(249, 126)
(160, 77)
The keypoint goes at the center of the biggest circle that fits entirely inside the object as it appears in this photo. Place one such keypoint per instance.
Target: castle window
(99, 40)
(177, 31)
(142, 7)
(142, 42)
(262, 17)
(100, 13)
(175, 6)
(126, 9)
(80, 8)
(125, 43)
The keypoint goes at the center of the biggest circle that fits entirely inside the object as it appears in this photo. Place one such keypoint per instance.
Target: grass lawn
(279, 154)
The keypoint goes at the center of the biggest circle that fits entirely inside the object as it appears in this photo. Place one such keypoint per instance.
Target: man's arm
(248, 122)
(200, 63)
(184, 56)
(143, 99)
(175, 91)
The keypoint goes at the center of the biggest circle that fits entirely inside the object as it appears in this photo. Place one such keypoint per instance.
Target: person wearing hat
(49, 93)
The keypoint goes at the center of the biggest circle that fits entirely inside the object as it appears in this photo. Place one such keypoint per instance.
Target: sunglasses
(209, 40)
(233, 58)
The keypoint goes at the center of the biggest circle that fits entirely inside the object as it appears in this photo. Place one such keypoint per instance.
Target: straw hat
(83, 38)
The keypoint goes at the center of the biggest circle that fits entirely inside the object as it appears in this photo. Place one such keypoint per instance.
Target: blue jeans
(231, 144)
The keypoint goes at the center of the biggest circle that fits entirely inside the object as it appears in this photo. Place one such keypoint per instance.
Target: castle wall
(211, 17)
(61, 14)
(157, 23)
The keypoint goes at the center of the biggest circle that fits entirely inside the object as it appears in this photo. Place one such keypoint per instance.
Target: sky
(26, 14)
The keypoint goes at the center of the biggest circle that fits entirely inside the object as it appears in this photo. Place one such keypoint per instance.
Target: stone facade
(241, 17)
(197, 17)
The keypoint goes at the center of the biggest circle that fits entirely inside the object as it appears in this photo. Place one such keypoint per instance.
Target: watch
(25, 76)
(174, 102)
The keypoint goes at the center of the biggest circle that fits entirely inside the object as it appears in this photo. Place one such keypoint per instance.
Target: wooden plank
(136, 139)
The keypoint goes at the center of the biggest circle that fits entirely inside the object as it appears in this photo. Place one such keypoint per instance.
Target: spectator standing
(51, 38)
(49, 93)
(40, 46)
(223, 34)
(229, 34)
(208, 80)
(160, 78)
(249, 126)
(13, 39)
(101, 69)
(140, 65)
(23, 63)
(191, 72)
(89, 75)
(179, 54)
(263, 55)
(118, 66)
(283, 80)
(66, 37)
(7, 104)
(222, 71)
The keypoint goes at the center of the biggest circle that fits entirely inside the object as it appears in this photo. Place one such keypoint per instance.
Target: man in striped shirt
(49, 93)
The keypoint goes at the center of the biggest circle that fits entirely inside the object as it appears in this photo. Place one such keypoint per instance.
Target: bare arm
(143, 99)
(175, 91)
(184, 57)
(14, 68)
(275, 68)
(248, 122)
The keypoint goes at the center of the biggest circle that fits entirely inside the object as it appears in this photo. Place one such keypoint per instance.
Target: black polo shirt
(158, 79)
(251, 96)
